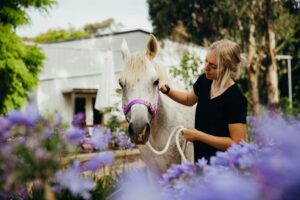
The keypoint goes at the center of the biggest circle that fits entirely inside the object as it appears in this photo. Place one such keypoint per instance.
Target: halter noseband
(152, 108)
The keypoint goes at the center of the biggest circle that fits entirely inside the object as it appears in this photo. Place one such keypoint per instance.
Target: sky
(133, 14)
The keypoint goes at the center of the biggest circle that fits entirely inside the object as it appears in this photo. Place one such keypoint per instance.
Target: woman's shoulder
(201, 85)
(235, 93)
(202, 79)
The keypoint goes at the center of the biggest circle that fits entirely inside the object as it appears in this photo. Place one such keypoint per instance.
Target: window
(97, 119)
(79, 105)
(83, 100)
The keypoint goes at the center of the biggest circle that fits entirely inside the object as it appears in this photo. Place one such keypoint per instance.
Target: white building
(73, 70)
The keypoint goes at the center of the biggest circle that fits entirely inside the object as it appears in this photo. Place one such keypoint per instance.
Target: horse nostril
(130, 130)
(148, 127)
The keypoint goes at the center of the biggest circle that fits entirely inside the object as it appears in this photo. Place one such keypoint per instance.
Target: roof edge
(100, 35)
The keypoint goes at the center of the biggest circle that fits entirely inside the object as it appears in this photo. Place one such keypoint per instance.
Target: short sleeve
(237, 109)
(198, 84)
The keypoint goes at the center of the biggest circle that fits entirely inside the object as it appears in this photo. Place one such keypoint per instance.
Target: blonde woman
(220, 118)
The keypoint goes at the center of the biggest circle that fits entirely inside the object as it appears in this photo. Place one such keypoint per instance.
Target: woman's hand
(162, 87)
(190, 134)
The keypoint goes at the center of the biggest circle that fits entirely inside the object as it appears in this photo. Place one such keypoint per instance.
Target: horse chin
(142, 138)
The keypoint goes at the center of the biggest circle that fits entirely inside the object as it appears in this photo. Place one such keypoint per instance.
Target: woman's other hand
(190, 134)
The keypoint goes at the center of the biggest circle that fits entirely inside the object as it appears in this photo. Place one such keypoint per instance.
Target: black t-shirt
(213, 115)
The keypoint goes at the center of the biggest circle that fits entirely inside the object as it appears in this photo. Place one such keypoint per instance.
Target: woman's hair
(228, 54)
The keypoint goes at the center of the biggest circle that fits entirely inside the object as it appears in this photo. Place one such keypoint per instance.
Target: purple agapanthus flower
(239, 156)
(75, 135)
(78, 119)
(21, 140)
(23, 194)
(47, 132)
(177, 172)
(123, 141)
(201, 163)
(4, 130)
(224, 185)
(27, 118)
(73, 180)
(32, 113)
(98, 161)
(57, 120)
(17, 117)
(136, 185)
(101, 138)
(4, 125)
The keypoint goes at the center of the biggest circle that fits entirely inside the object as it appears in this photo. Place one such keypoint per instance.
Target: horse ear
(152, 47)
(124, 49)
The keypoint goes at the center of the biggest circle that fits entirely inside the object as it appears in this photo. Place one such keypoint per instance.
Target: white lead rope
(177, 130)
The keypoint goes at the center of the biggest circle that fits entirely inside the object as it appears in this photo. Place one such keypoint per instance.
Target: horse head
(139, 81)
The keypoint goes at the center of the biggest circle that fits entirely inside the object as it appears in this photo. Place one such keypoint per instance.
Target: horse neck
(166, 120)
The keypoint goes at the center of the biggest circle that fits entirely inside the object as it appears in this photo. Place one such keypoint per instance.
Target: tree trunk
(272, 74)
(253, 72)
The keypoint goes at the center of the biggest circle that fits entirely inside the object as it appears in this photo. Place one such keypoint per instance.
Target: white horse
(152, 116)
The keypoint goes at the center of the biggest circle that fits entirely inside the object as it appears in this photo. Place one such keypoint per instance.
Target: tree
(61, 35)
(253, 24)
(72, 34)
(106, 25)
(188, 70)
(292, 48)
(14, 12)
(19, 63)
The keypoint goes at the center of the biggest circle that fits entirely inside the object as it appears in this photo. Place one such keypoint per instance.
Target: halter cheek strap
(152, 108)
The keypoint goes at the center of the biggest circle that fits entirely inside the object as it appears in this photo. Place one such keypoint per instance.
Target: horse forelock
(136, 66)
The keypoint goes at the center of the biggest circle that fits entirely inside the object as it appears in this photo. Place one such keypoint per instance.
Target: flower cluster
(266, 169)
(32, 149)
(102, 138)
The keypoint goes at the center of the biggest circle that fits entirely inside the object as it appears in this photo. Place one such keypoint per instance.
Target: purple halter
(152, 108)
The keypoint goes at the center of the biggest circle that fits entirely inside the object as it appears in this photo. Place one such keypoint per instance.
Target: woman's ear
(152, 47)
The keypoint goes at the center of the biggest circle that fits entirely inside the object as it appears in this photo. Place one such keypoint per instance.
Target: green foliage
(72, 34)
(108, 24)
(113, 123)
(188, 71)
(61, 35)
(292, 48)
(19, 68)
(19, 64)
(14, 12)
(203, 21)
(105, 186)
(207, 21)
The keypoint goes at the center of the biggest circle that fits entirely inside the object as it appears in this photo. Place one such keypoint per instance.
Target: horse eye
(121, 84)
(156, 82)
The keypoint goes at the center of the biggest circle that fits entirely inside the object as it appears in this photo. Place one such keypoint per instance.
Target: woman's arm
(237, 134)
(185, 98)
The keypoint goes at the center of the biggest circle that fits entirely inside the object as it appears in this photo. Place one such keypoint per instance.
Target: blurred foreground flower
(136, 185)
(74, 180)
(268, 169)
(98, 161)
(31, 151)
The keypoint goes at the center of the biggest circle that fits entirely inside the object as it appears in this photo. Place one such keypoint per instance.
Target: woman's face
(211, 66)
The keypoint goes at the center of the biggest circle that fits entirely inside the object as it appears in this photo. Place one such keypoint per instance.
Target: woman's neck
(217, 90)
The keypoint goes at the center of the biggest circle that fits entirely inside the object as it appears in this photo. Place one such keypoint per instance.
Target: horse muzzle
(139, 132)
